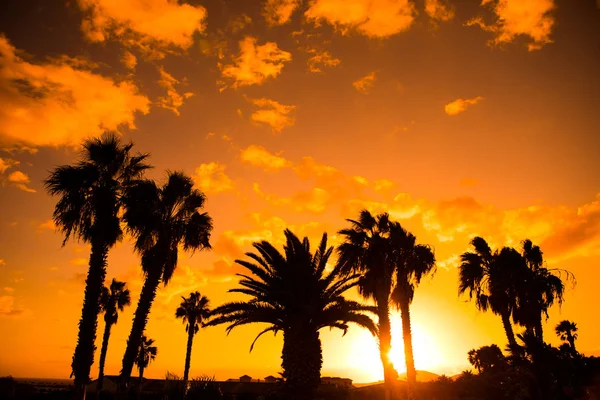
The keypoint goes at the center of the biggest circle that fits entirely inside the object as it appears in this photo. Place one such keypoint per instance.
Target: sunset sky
(459, 118)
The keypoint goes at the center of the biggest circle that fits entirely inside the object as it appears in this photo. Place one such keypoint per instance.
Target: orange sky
(457, 118)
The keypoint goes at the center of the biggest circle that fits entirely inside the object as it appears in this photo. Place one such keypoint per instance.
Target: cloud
(20, 181)
(129, 60)
(48, 224)
(146, 23)
(8, 308)
(9, 289)
(321, 59)
(258, 156)
(364, 84)
(255, 63)
(439, 10)
(531, 18)
(57, 103)
(279, 12)
(173, 100)
(373, 18)
(460, 105)
(272, 113)
(211, 178)
(6, 163)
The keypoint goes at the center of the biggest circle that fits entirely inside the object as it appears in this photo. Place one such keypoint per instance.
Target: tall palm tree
(112, 300)
(294, 293)
(567, 330)
(194, 311)
(365, 251)
(540, 289)
(412, 262)
(491, 279)
(90, 194)
(161, 219)
(146, 353)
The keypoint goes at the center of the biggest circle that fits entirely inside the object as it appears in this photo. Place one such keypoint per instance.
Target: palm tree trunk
(411, 373)
(139, 324)
(103, 352)
(510, 334)
(571, 340)
(188, 354)
(141, 382)
(385, 345)
(302, 360)
(84, 351)
(537, 328)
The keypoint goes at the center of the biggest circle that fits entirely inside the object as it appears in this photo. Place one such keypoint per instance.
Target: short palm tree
(567, 330)
(146, 353)
(365, 251)
(88, 208)
(412, 262)
(161, 219)
(112, 300)
(194, 310)
(296, 294)
(491, 278)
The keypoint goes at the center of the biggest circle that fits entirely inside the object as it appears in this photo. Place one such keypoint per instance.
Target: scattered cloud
(129, 60)
(439, 10)
(57, 103)
(255, 63)
(258, 156)
(49, 224)
(173, 100)
(149, 24)
(364, 84)
(211, 178)
(461, 105)
(79, 261)
(373, 18)
(6, 163)
(279, 12)
(272, 113)
(531, 18)
(20, 181)
(320, 59)
(8, 308)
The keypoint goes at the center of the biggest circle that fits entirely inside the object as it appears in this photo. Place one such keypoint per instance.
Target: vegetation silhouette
(161, 219)
(194, 311)
(112, 300)
(294, 293)
(567, 330)
(146, 353)
(89, 202)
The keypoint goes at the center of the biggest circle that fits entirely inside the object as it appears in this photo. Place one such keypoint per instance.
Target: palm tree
(491, 278)
(112, 300)
(161, 219)
(486, 358)
(540, 289)
(194, 311)
(365, 251)
(88, 209)
(411, 261)
(294, 293)
(146, 353)
(567, 330)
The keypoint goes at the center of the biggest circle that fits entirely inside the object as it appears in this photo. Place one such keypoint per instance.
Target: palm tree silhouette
(88, 208)
(540, 289)
(112, 300)
(567, 330)
(486, 358)
(194, 311)
(146, 353)
(411, 261)
(365, 251)
(294, 293)
(161, 219)
(491, 278)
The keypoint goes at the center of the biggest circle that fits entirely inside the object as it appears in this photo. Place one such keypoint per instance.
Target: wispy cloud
(439, 10)
(261, 157)
(20, 180)
(320, 59)
(365, 83)
(461, 105)
(173, 99)
(211, 178)
(279, 12)
(272, 113)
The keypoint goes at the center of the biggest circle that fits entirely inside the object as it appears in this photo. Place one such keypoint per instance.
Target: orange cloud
(8, 308)
(373, 18)
(20, 181)
(272, 113)
(129, 60)
(321, 59)
(365, 83)
(439, 10)
(261, 157)
(530, 18)
(57, 103)
(255, 64)
(173, 100)
(279, 12)
(148, 23)
(460, 105)
(211, 178)
(48, 224)
(6, 163)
